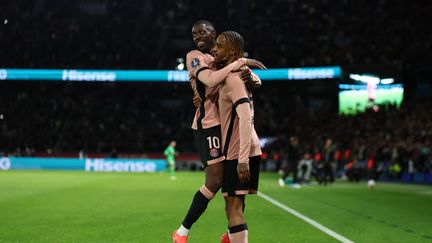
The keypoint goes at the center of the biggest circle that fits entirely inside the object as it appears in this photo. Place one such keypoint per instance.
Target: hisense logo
(107, 166)
(316, 73)
(75, 75)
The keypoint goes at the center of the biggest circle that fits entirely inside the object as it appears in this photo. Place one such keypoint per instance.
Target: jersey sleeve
(239, 97)
(195, 60)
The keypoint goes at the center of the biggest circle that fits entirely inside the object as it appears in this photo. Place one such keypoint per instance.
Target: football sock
(182, 231)
(198, 206)
(238, 233)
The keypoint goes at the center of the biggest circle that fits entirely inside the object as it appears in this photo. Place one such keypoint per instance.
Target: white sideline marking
(306, 219)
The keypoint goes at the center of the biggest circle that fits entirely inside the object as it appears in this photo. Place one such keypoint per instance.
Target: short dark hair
(236, 41)
(206, 22)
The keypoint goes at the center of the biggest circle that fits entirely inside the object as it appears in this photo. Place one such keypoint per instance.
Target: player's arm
(194, 60)
(239, 97)
(196, 65)
(199, 68)
(196, 96)
(245, 129)
(213, 78)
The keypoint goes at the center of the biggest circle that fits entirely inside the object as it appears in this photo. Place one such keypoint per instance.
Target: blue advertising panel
(97, 165)
(75, 75)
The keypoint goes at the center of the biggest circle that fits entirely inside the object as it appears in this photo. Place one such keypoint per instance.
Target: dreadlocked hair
(236, 41)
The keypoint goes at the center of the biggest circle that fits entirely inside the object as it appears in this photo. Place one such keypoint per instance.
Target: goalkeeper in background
(170, 154)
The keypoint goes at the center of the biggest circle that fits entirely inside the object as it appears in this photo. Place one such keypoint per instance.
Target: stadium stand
(130, 118)
(152, 34)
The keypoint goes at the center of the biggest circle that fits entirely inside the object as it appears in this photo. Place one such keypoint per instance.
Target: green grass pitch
(56, 206)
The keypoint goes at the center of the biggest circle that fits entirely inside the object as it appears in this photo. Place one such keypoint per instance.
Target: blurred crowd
(93, 117)
(135, 118)
(380, 142)
(153, 34)
(129, 117)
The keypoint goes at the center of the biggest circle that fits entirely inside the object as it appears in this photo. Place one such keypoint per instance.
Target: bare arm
(239, 97)
(213, 78)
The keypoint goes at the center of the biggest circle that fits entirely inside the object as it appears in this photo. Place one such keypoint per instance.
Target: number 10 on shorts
(213, 142)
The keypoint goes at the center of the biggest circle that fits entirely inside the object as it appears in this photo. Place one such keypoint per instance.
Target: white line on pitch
(306, 219)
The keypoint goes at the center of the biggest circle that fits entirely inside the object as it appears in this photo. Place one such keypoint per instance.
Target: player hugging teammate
(223, 127)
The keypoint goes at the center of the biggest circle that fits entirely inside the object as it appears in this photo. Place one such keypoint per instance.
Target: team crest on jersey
(195, 62)
(214, 152)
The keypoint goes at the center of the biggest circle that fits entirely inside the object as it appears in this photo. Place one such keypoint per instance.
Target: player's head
(203, 35)
(173, 143)
(229, 47)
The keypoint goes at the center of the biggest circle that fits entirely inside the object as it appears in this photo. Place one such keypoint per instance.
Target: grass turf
(58, 206)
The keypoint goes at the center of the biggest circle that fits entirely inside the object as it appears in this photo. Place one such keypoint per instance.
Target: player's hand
(245, 74)
(243, 172)
(255, 63)
(197, 101)
(191, 76)
(247, 78)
